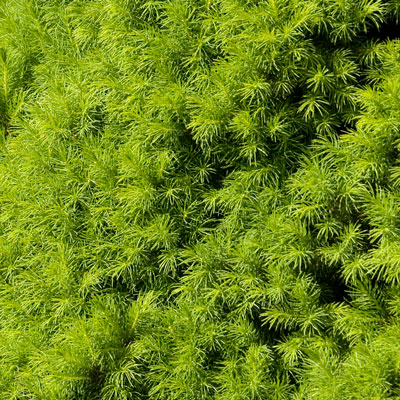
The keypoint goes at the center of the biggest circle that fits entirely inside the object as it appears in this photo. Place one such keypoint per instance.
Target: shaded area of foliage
(199, 199)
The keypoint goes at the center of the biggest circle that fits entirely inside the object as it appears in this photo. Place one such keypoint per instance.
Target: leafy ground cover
(199, 199)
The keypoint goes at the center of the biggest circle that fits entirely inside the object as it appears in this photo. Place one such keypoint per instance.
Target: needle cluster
(199, 200)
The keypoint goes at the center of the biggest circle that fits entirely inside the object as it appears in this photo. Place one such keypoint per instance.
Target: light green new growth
(199, 200)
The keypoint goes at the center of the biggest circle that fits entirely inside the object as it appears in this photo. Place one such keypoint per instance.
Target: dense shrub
(199, 199)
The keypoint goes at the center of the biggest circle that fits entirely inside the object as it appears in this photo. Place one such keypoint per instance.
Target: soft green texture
(199, 199)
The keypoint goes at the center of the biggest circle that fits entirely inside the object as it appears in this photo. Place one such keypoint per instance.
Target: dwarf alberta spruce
(199, 200)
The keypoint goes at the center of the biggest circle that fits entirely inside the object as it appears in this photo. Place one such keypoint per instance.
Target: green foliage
(199, 199)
